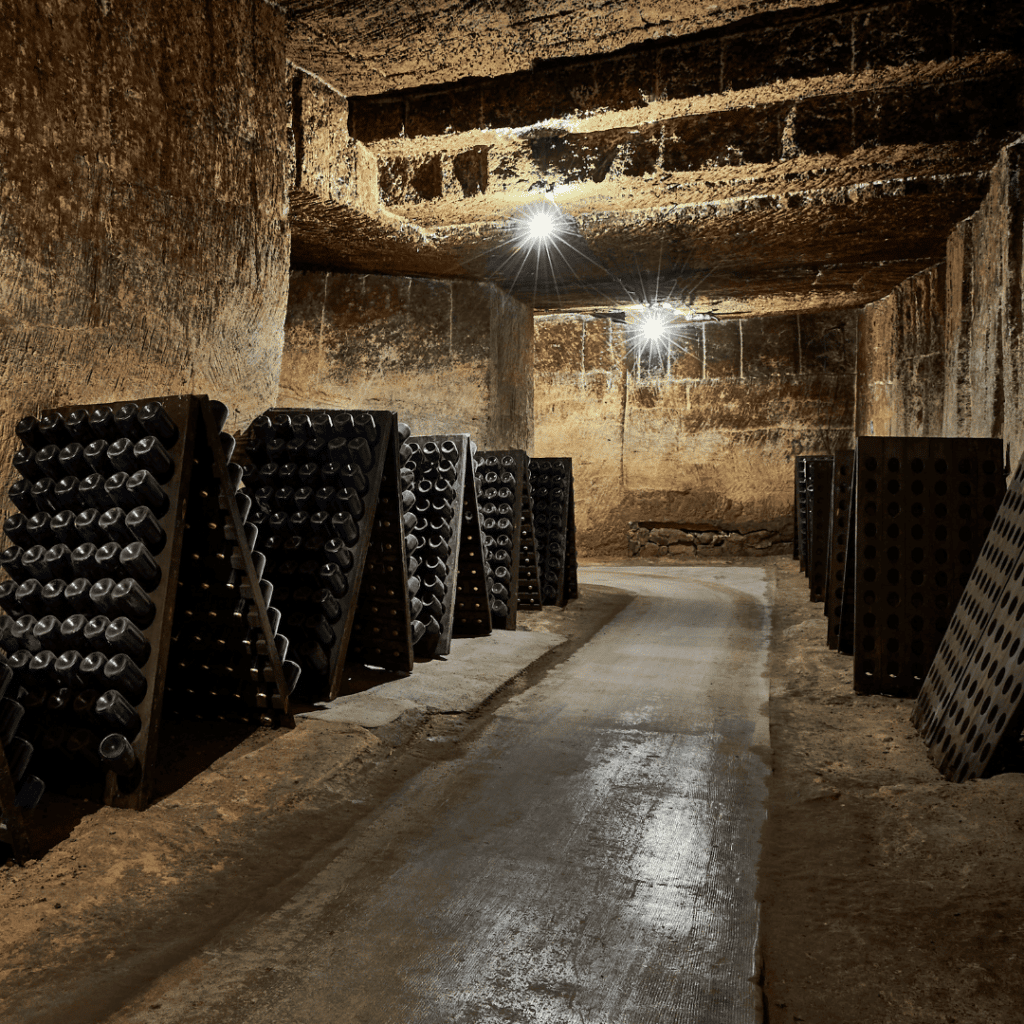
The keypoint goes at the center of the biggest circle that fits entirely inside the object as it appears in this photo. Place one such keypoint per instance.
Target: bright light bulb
(653, 328)
(540, 226)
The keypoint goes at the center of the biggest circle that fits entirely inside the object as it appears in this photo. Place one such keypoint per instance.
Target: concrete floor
(591, 856)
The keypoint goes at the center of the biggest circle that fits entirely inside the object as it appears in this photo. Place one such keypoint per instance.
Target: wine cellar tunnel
(312, 205)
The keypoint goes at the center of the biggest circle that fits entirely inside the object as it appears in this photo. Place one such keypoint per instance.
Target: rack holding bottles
(439, 463)
(529, 563)
(819, 509)
(840, 526)
(572, 589)
(327, 488)
(500, 478)
(472, 613)
(553, 514)
(106, 496)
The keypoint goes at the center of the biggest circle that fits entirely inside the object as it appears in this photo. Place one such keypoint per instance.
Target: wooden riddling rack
(840, 525)
(924, 507)
(802, 492)
(970, 710)
(555, 524)
(501, 516)
(472, 615)
(819, 507)
(76, 488)
(528, 595)
(340, 572)
(441, 468)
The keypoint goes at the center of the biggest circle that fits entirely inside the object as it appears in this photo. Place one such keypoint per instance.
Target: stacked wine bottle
(551, 481)
(318, 480)
(499, 478)
(223, 665)
(93, 573)
(439, 465)
(528, 596)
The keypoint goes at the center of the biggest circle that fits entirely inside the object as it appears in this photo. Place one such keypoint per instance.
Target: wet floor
(591, 857)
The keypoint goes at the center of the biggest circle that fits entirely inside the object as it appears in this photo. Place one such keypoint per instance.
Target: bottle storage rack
(572, 586)
(554, 514)
(801, 507)
(500, 479)
(971, 706)
(326, 486)
(924, 507)
(839, 529)
(472, 614)
(106, 497)
(819, 509)
(439, 465)
(528, 594)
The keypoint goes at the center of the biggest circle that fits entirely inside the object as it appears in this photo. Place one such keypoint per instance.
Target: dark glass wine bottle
(29, 596)
(140, 565)
(20, 493)
(42, 495)
(126, 418)
(90, 673)
(113, 711)
(47, 632)
(142, 525)
(66, 669)
(154, 419)
(9, 598)
(121, 454)
(129, 598)
(25, 464)
(117, 755)
(77, 423)
(72, 631)
(143, 489)
(53, 428)
(417, 629)
(29, 433)
(121, 673)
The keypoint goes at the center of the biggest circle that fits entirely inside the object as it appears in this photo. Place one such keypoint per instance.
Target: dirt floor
(889, 894)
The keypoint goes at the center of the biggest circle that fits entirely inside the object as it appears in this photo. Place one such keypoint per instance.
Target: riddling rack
(528, 595)
(500, 480)
(439, 465)
(923, 509)
(327, 489)
(801, 508)
(472, 615)
(106, 496)
(555, 519)
(839, 527)
(819, 506)
(971, 706)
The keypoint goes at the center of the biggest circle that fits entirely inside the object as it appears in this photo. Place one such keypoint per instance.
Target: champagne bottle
(124, 637)
(415, 606)
(100, 595)
(117, 755)
(16, 528)
(143, 489)
(418, 629)
(347, 500)
(121, 454)
(327, 604)
(62, 699)
(57, 563)
(47, 632)
(366, 427)
(8, 642)
(350, 475)
(96, 457)
(29, 596)
(154, 420)
(126, 418)
(42, 495)
(143, 526)
(53, 428)
(33, 564)
(66, 666)
(11, 714)
(72, 632)
(140, 565)
(122, 674)
(29, 433)
(114, 712)
(25, 464)
(322, 424)
(19, 753)
(9, 599)
(117, 493)
(108, 559)
(219, 412)
(42, 678)
(90, 674)
(413, 585)
(62, 527)
(94, 634)
(20, 493)
(77, 592)
(77, 423)
(288, 475)
(130, 599)
(332, 576)
(66, 495)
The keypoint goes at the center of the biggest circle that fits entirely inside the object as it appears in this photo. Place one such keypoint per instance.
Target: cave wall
(943, 354)
(710, 443)
(144, 244)
(449, 356)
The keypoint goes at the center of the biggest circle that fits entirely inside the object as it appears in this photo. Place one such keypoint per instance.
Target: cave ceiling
(737, 158)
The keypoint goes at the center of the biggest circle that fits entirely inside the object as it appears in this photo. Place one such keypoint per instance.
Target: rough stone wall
(901, 359)
(449, 356)
(944, 353)
(143, 240)
(709, 444)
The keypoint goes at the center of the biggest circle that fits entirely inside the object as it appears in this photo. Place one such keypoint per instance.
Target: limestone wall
(708, 445)
(143, 240)
(449, 356)
(944, 353)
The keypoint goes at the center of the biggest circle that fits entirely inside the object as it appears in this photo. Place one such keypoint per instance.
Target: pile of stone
(773, 537)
